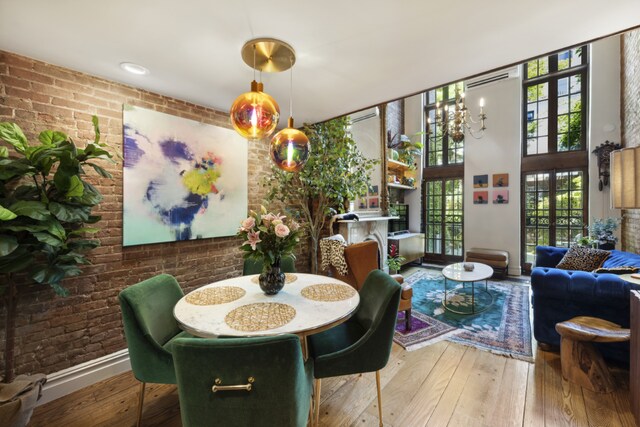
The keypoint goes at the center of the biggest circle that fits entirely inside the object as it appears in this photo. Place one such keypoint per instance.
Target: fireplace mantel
(368, 228)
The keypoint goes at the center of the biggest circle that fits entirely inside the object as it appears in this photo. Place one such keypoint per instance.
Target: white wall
(604, 117)
(494, 226)
(414, 123)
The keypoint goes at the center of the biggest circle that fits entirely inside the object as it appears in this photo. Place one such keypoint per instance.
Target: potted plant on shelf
(45, 205)
(267, 238)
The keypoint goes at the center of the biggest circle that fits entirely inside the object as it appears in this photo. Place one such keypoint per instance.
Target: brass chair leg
(140, 402)
(316, 398)
(379, 397)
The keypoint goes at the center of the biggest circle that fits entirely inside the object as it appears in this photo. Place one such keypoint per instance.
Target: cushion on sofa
(582, 259)
(620, 258)
(623, 269)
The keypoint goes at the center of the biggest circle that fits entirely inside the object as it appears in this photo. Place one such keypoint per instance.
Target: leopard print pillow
(583, 259)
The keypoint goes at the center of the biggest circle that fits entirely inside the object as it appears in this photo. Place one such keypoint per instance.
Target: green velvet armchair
(362, 343)
(150, 329)
(287, 265)
(261, 381)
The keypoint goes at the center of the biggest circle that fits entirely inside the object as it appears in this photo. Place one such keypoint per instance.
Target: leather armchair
(361, 259)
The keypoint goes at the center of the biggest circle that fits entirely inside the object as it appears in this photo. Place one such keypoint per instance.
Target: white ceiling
(351, 54)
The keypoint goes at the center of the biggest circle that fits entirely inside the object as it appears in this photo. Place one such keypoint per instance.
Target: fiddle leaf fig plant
(45, 209)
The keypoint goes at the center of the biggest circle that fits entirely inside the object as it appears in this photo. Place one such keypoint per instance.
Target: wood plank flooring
(444, 384)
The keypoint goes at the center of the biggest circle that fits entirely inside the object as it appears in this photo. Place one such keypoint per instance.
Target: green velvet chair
(281, 382)
(287, 265)
(362, 343)
(150, 329)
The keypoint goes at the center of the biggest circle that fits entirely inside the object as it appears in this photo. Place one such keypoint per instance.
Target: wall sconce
(603, 152)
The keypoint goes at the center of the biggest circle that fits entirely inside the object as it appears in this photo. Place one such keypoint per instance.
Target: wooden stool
(581, 362)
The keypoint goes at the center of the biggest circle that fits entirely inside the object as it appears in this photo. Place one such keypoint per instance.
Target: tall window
(443, 179)
(555, 103)
(442, 150)
(444, 213)
(555, 160)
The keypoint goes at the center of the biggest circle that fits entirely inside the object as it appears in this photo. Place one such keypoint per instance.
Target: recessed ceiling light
(134, 68)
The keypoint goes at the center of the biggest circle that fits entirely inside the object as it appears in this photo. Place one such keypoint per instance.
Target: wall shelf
(403, 187)
(394, 164)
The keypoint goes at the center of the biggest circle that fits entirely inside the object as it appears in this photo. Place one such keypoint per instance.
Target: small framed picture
(373, 190)
(480, 181)
(480, 197)
(361, 203)
(500, 179)
(500, 197)
(374, 203)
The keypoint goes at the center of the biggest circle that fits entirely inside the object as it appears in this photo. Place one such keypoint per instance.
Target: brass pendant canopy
(271, 55)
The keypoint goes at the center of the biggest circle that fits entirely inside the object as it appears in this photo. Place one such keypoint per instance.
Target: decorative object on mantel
(603, 152)
(335, 174)
(183, 179)
(267, 238)
(455, 123)
(290, 147)
(255, 114)
(45, 205)
(625, 178)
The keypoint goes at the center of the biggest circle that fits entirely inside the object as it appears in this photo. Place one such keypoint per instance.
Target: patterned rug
(503, 329)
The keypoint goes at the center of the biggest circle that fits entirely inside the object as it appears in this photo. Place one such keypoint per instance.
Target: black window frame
(552, 78)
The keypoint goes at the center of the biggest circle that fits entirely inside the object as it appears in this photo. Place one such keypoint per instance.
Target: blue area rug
(504, 328)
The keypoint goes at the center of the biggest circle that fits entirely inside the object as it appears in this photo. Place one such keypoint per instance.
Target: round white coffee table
(457, 273)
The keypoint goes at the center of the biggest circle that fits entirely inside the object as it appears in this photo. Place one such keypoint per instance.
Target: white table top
(459, 274)
(628, 278)
(310, 316)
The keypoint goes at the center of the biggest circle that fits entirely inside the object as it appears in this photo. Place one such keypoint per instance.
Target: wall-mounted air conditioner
(492, 78)
(362, 115)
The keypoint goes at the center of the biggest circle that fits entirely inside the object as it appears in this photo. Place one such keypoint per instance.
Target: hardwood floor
(444, 384)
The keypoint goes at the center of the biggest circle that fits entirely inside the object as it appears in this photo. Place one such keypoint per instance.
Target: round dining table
(237, 307)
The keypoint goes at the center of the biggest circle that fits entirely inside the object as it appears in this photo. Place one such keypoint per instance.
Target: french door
(554, 209)
(443, 219)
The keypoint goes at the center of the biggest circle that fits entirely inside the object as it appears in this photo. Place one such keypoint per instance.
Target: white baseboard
(76, 377)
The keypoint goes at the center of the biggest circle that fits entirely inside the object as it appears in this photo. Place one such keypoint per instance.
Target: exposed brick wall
(54, 333)
(630, 99)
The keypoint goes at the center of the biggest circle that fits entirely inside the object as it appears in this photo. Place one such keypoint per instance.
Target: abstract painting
(480, 181)
(500, 197)
(480, 197)
(182, 179)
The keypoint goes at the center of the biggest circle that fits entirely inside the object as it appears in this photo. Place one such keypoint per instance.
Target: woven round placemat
(288, 278)
(260, 316)
(216, 295)
(328, 292)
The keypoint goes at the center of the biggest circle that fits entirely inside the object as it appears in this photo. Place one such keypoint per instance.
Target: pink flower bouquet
(268, 237)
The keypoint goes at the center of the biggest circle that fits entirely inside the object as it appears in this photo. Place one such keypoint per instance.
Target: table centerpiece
(267, 237)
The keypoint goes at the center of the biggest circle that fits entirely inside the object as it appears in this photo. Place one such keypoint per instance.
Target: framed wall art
(182, 179)
(480, 181)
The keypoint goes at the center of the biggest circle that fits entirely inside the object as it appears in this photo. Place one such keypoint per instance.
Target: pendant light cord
(291, 89)
(254, 62)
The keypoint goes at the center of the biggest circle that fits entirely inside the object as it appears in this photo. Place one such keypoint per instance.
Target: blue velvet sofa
(559, 295)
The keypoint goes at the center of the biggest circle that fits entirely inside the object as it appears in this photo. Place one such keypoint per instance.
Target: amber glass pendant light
(290, 147)
(255, 114)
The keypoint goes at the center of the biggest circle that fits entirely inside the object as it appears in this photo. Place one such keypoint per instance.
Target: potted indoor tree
(335, 173)
(45, 207)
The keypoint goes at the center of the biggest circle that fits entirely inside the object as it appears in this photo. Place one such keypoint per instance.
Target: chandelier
(455, 121)
(255, 114)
